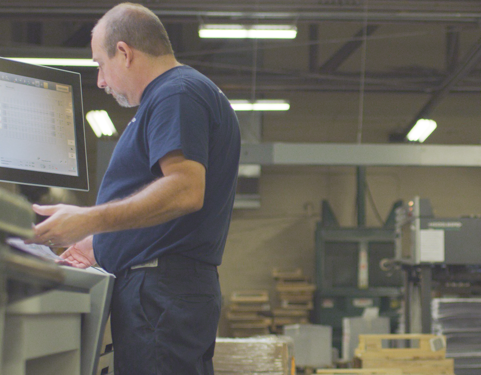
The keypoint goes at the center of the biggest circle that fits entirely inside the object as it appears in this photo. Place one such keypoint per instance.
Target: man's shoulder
(174, 82)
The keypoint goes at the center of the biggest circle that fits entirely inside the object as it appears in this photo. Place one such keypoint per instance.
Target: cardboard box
(312, 344)
(353, 327)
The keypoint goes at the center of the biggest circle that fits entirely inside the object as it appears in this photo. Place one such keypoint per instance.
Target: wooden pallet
(287, 274)
(290, 313)
(423, 346)
(296, 296)
(286, 320)
(414, 367)
(361, 371)
(295, 286)
(248, 306)
(243, 315)
(259, 323)
(249, 332)
(305, 370)
(250, 296)
(305, 305)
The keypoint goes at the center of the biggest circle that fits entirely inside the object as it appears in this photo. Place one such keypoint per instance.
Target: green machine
(349, 272)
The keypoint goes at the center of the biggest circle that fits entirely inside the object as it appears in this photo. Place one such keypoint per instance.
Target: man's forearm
(179, 192)
(163, 200)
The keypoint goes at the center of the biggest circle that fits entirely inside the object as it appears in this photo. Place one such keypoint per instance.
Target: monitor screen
(42, 133)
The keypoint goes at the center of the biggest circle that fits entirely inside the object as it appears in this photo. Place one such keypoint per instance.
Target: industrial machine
(52, 318)
(349, 277)
(440, 255)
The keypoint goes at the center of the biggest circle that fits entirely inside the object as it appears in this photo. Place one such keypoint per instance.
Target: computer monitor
(42, 132)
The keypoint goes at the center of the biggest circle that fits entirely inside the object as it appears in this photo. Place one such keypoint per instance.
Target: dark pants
(164, 319)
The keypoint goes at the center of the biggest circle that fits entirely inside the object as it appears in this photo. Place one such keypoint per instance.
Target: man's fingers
(43, 230)
(45, 210)
(81, 258)
(75, 257)
(40, 239)
(41, 233)
(64, 262)
(65, 254)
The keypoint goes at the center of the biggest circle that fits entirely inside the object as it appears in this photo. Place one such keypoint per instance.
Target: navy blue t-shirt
(179, 110)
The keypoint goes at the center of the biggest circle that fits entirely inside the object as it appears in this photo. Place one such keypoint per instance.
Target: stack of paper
(459, 319)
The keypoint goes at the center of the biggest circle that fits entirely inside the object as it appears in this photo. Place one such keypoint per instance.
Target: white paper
(33, 249)
(431, 245)
(98, 270)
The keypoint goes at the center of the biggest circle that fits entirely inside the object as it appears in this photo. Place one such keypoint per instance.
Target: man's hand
(65, 226)
(80, 255)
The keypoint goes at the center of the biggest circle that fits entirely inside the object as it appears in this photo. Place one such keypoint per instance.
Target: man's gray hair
(137, 26)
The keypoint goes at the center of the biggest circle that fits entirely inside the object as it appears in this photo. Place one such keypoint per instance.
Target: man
(165, 202)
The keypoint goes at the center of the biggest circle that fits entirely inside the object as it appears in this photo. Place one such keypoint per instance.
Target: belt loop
(124, 273)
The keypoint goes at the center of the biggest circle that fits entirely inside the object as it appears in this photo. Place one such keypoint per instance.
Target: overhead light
(421, 130)
(248, 31)
(260, 105)
(55, 61)
(101, 123)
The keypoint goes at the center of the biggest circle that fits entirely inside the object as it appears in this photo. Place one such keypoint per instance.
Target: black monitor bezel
(26, 177)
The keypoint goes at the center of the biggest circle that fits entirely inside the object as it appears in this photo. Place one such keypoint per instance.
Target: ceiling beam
(237, 78)
(313, 47)
(462, 70)
(81, 37)
(336, 60)
(453, 41)
(332, 154)
(179, 12)
(241, 84)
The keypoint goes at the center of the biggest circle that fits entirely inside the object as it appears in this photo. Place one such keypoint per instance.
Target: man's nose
(101, 81)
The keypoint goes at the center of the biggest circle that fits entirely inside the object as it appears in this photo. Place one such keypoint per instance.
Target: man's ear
(126, 52)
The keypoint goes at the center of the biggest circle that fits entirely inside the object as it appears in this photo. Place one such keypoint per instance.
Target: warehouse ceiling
(430, 47)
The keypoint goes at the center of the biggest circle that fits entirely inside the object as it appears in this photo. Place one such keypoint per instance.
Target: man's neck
(151, 68)
(162, 64)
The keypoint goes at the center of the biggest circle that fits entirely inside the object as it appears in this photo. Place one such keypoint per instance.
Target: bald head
(135, 25)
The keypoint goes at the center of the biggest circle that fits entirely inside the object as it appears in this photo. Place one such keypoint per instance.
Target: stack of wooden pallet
(248, 313)
(296, 298)
(413, 354)
(262, 355)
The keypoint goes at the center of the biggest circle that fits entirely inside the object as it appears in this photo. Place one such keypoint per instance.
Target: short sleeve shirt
(179, 110)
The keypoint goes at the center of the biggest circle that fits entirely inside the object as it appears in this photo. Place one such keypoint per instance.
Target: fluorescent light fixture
(101, 123)
(260, 105)
(55, 61)
(248, 31)
(421, 130)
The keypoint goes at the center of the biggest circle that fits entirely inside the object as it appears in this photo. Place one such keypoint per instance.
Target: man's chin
(122, 101)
